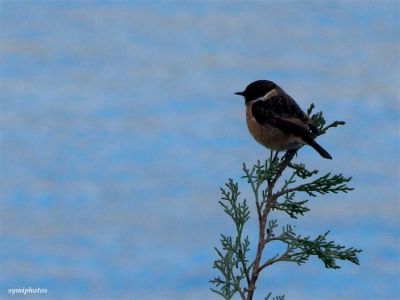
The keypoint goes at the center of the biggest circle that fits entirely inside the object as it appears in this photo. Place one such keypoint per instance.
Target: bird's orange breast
(269, 136)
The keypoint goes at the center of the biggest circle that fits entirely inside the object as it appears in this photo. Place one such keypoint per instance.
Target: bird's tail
(320, 150)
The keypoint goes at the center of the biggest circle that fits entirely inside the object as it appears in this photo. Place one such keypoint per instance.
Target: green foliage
(238, 273)
(319, 121)
(299, 249)
(274, 298)
(232, 264)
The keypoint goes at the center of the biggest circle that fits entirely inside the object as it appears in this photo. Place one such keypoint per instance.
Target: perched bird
(276, 121)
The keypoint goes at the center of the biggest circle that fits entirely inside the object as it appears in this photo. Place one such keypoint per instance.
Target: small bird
(276, 121)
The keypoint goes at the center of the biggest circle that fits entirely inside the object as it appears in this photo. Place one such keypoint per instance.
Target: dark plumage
(276, 121)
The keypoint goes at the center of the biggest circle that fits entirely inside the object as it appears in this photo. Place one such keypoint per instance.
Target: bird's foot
(290, 154)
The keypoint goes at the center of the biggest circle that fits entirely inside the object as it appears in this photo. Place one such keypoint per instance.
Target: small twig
(273, 260)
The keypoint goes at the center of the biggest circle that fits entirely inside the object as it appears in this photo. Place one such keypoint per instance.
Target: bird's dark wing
(282, 111)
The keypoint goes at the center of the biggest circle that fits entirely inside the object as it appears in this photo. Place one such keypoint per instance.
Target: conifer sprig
(238, 272)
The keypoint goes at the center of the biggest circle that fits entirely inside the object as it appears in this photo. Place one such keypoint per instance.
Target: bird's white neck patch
(271, 93)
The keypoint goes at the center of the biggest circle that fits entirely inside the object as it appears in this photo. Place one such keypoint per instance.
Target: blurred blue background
(119, 125)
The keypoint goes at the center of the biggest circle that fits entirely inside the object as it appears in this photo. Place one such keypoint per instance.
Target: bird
(276, 121)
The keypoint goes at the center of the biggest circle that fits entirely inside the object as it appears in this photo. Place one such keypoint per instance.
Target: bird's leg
(290, 154)
(275, 156)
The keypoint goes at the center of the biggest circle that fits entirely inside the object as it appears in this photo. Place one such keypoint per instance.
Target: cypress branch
(238, 273)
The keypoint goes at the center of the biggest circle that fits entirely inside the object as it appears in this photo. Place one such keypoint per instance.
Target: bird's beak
(239, 93)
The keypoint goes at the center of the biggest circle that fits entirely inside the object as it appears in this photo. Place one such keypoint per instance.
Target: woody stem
(271, 199)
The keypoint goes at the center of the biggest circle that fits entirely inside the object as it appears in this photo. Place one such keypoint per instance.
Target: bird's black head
(257, 89)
